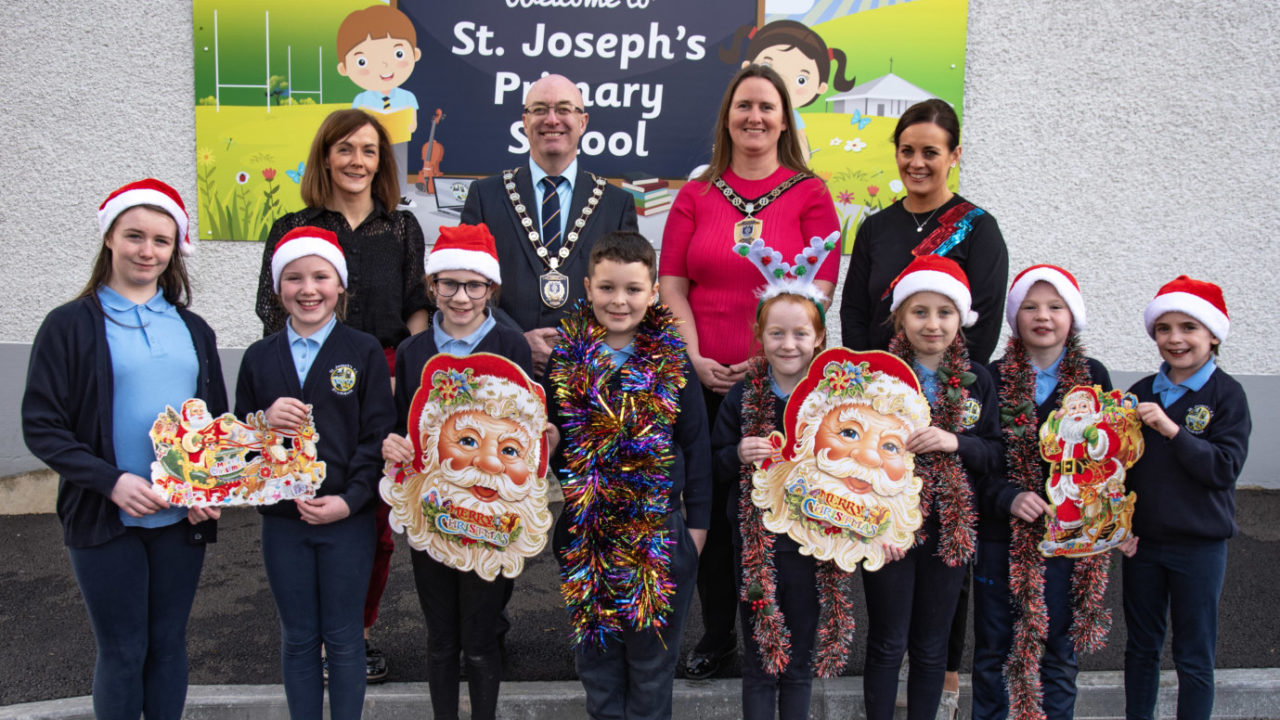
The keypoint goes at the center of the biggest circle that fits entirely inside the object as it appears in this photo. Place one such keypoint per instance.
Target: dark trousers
(384, 547)
(138, 588)
(630, 678)
(959, 623)
(316, 573)
(993, 619)
(717, 589)
(910, 604)
(1181, 582)
(797, 598)
(463, 613)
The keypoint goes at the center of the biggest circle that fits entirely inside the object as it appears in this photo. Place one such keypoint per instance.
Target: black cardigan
(67, 415)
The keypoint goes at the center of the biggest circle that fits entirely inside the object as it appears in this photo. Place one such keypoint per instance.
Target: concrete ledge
(1241, 694)
(29, 493)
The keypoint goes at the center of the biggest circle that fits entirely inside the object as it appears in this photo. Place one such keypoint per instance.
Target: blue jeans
(910, 605)
(1182, 582)
(993, 619)
(318, 575)
(138, 588)
(789, 693)
(630, 678)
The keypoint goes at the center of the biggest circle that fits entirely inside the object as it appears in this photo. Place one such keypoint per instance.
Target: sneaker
(375, 664)
(949, 707)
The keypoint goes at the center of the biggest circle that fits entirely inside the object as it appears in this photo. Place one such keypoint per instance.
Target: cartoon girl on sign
(801, 57)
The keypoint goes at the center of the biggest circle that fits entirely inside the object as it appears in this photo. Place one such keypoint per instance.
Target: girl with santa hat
(318, 550)
(1197, 426)
(464, 612)
(912, 599)
(1027, 621)
(103, 366)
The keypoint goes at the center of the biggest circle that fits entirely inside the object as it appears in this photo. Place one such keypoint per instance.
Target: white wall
(1128, 141)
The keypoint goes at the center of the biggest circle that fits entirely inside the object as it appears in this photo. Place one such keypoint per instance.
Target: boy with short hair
(379, 47)
(635, 454)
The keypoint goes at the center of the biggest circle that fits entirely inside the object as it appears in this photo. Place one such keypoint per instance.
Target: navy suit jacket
(520, 265)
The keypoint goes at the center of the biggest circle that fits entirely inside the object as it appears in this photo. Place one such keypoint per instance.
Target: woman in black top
(930, 219)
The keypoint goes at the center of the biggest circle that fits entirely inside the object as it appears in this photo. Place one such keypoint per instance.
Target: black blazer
(521, 300)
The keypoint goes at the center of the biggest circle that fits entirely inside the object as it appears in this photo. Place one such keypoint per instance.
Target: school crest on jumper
(1198, 417)
(203, 461)
(841, 482)
(342, 379)
(1090, 442)
(475, 496)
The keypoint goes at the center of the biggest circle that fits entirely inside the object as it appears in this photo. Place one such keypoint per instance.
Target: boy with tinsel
(634, 462)
(1031, 613)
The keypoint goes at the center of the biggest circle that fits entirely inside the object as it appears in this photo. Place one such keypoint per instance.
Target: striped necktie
(551, 212)
(386, 102)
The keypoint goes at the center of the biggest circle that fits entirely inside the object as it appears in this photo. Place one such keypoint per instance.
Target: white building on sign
(886, 96)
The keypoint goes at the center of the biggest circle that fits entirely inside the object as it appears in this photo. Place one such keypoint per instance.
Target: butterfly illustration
(860, 120)
(296, 175)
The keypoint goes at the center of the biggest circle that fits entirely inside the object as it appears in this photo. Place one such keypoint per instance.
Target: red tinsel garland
(759, 578)
(946, 485)
(1091, 621)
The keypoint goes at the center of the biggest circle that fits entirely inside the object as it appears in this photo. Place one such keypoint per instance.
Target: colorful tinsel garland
(615, 572)
(946, 486)
(1091, 621)
(759, 577)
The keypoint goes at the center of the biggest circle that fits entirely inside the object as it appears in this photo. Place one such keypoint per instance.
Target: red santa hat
(935, 273)
(1062, 281)
(840, 376)
(1089, 391)
(147, 192)
(1200, 299)
(484, 383)
(304, 241)
(465, 247)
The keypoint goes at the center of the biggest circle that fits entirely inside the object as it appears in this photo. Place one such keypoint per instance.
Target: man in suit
(545, 215)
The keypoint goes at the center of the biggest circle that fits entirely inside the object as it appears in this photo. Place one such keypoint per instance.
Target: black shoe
(702, 665)
(375, 664)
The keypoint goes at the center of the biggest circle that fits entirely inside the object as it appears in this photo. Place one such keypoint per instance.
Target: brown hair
(792, 35)
(810, 307)
(317, 186)
(901, 312)
(933, 111)
(377, 22)
(173, 282)
(789, 153)
(624, 246)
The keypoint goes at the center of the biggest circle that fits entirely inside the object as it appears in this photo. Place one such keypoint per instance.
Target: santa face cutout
(475, 497)
(843, 485)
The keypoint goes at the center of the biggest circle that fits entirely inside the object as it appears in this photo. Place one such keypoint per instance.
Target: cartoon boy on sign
(843, 484)
(379, 47)
(475, 497)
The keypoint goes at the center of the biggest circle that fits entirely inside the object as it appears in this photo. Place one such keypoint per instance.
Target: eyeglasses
(562, 111)
(449, 288)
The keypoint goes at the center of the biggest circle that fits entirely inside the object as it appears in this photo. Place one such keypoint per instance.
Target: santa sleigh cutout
(203, 461)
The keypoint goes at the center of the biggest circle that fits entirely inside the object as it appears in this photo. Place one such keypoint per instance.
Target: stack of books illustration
(650, 193)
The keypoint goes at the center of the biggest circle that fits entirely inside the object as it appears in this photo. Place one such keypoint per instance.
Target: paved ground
(48, 649)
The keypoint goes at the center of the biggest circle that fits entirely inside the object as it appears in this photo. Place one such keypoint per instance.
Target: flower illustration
(835, 141)
(873, 190)
(846, 198)
(854, 145)
(269, 174)
(204, 157)
(895, 186)
(242, 177)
